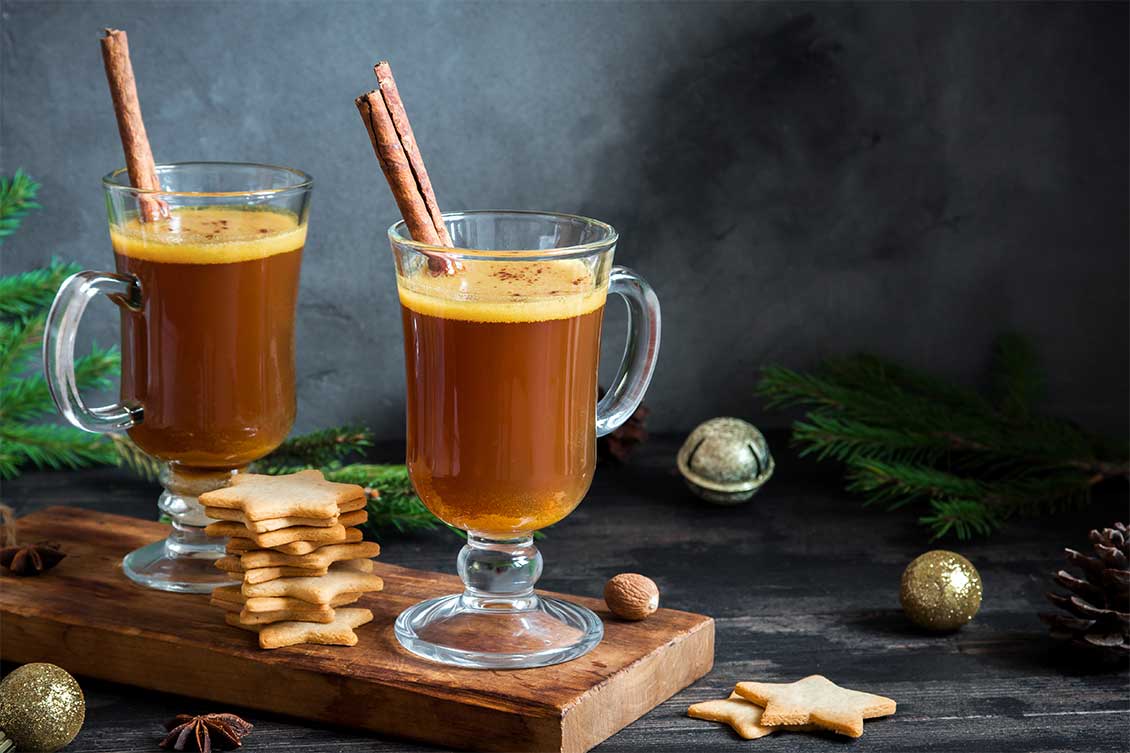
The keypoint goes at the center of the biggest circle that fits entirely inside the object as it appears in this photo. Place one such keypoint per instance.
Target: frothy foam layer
(209, 235)
(497, 291)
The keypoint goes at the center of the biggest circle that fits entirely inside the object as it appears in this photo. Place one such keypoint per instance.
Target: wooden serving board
(87, 617)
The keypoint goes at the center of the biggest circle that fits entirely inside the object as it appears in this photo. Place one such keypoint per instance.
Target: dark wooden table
(801, 580)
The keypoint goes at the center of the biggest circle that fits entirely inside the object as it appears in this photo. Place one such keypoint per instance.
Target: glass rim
(397, 235)
(304, 181)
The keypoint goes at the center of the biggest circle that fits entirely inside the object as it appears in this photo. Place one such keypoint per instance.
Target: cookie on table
(815, 700)
(743, 716)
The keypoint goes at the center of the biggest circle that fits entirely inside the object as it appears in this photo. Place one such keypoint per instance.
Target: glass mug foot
(185, 561)
(452, 631)
(498, 622)
(167, 566)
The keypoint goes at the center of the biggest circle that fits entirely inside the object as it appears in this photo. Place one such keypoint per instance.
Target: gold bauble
(940, 590)
(41, 707)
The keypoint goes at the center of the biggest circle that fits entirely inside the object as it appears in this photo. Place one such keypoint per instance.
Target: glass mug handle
(59, 348)
(640, 351)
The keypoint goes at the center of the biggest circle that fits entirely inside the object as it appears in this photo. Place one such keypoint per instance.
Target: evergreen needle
(909, 438)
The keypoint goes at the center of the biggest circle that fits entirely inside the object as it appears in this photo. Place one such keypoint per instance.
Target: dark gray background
(796, 180)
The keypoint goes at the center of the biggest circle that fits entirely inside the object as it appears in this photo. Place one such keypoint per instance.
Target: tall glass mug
(207, 296)
(503, 417)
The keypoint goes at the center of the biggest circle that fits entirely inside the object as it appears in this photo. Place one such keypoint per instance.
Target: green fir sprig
(907, 438)
(17, 198)
(24, 400)
(325, 448)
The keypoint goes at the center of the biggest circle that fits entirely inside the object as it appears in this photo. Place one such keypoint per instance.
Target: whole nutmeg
(631, 596)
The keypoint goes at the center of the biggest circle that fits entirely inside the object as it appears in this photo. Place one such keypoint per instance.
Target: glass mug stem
(499, 574)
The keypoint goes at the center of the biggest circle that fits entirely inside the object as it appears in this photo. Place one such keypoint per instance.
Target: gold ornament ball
(41, 707)
(940, 590)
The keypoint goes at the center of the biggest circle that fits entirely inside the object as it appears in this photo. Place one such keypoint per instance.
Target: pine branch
(29, 293)
(908, 438)
(20, 342)
(879, 377)
(318, 449)
(963, 517)
(897, 484)
(871, 391)
(49, 446)
(132, 457)
(27, 398)
(17, 198)
(829, 436)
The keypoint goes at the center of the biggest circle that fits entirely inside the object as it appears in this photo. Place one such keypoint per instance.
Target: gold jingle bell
(725, 461)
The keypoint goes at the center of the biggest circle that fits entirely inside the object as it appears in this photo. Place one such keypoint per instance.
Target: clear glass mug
(207, 296)
(501, 358)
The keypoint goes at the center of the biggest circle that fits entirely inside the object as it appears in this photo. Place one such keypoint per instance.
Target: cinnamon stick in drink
(127, 110)
(403, 167)
(391, 96)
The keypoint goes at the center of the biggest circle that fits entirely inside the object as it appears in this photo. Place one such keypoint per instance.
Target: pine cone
(1098, 606)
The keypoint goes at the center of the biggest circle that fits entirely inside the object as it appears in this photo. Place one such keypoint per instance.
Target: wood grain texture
(88, 618)
(800, 580)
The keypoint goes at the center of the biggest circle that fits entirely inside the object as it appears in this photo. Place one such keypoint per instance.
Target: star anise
(31, 559)
(201, 733)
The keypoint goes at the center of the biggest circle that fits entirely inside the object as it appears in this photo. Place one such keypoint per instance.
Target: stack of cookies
(293, 540)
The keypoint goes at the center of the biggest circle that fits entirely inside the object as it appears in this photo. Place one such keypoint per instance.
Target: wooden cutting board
(87, 617)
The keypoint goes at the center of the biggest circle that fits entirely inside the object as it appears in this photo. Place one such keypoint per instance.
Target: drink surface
(210, 357)
(502, 380)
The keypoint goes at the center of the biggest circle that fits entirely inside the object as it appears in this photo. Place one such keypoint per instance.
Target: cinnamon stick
(399, 157)
(127, 110)
(391, 95)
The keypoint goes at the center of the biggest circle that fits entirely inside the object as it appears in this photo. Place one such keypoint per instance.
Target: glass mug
(207, 296)
(501, 359)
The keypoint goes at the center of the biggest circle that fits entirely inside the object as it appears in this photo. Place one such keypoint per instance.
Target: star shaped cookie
(815, 700)
(305, 494)
(744, 717)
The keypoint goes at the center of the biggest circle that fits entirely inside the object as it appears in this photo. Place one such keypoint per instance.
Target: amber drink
(501, 388)
(206, 282)
(213, 363)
